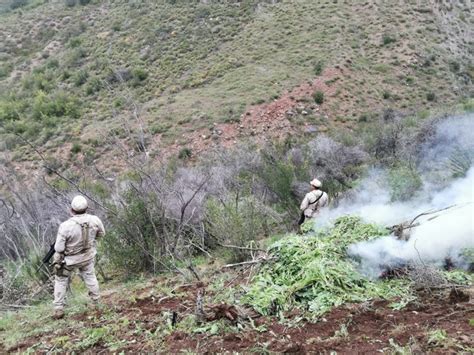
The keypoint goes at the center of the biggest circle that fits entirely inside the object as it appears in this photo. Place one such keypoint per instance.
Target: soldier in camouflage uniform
(314, 200)
(75, 249)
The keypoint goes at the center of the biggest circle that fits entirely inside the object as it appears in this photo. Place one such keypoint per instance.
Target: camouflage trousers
(87, 273)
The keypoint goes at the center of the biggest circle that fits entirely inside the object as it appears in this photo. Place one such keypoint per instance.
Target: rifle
(302, 218)
(49, 255)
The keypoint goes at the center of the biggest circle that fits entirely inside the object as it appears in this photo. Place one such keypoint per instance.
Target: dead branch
(251, 262)
(240, 248)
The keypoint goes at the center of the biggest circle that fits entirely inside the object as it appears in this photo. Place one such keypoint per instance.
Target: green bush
(93, 86)
(138, 76)
(57, 105)
(15, 4)
(240, 222)
(387, 39)
(5, 70)
(185, 153)
(278, 175)
(74, 42)
(9, 110)
(318, 97)
(460, 161)
(138, 241)
(431, 96)
(116, 26)
(76, 148)
(404, 182)
(318, 68)
(40, 79)
(80, 78)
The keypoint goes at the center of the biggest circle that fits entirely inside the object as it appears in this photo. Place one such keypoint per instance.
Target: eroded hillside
(92, 84)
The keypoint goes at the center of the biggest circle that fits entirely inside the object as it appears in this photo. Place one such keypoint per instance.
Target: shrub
(93, 86)
(5, 70)
(318, 97)
(76, 148)
(460, 161)
(66, 74)
(74, 42)
(40, 80)
(70, 3)
(454, 66)
(57, 105)
(404, 182)
(9, 110)
(160, 128)
(240, 222)
(116, 26)
(318, 68)
(119, 102)
(336, 164)
(141, 235)
(386, 95)
(80, 78)
(185, 153)
(52, 64)
(138, 75)
(278, 176)
(387, 39)
(431, 96)
(15, 4)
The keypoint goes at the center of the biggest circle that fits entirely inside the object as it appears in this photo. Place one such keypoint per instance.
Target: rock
(103, 35)
(311, 129)
(145, 52)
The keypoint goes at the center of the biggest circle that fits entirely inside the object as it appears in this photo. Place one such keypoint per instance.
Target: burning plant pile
(314, 272)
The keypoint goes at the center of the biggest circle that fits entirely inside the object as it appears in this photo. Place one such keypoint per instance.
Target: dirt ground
(369, 327)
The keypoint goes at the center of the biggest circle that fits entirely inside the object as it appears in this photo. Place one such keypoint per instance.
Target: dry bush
(426, 277)
(334, 163)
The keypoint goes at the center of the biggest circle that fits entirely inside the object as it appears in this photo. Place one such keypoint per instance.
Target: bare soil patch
(368, 327)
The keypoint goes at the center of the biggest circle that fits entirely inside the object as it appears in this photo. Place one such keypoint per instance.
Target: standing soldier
(313, 201)
(75, 248)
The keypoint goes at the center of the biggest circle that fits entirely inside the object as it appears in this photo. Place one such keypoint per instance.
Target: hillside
(300, 300)
(91, 84)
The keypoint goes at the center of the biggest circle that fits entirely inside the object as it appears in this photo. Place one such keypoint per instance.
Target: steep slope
(95, 82)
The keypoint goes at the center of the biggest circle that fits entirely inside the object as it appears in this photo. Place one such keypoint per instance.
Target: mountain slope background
(80, 79)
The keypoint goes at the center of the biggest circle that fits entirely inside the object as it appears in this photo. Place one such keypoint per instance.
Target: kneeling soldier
(75, 248)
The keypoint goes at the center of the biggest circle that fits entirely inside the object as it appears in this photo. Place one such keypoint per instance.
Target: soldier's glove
(58, 264)
(58, 258)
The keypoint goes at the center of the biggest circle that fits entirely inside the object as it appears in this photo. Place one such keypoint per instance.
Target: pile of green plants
(314, 273)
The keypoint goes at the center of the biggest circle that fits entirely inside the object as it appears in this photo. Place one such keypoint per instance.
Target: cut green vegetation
(313, 272)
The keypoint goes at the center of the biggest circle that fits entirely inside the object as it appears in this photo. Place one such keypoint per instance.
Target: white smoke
(438, 235)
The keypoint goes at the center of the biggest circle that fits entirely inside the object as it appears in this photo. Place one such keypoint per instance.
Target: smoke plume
(444, 164)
